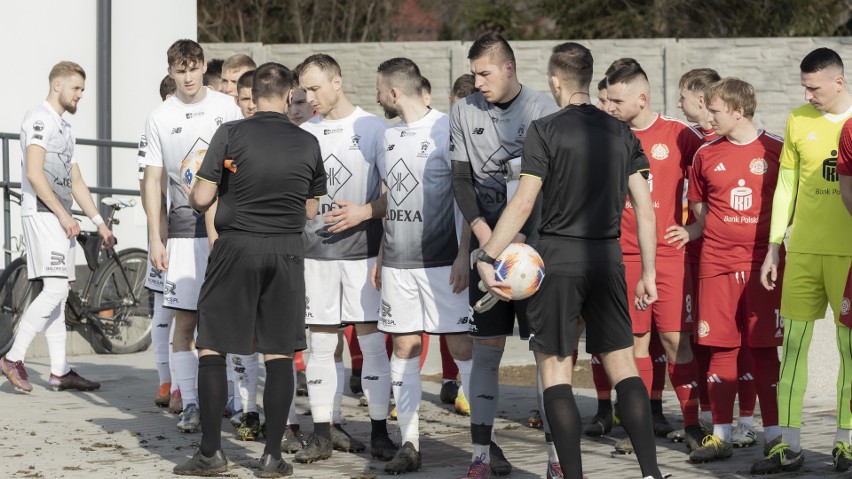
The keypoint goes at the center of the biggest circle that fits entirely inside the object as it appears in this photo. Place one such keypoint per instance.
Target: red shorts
(669, 313)
(690, 294)
(736, 309)
(846, 303)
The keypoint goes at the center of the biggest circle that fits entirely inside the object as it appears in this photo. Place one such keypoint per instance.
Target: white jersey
(422, 222)
(176, 138)
(352, 149)
(43, 127)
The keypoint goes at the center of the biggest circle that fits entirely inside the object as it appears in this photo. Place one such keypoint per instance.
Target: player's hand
(498, 289)
(346, 215)
(106, 234)
(677, 235)
(460, 273)
(646, 293)
(376, 275)
(159, 255)
(769, 270)
(70, 225)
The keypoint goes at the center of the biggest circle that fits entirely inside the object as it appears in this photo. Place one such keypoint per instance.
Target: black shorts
(581, 277)
(499, 321)
(253, 296)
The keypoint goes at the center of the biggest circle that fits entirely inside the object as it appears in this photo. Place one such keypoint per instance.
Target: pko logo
(829, 168)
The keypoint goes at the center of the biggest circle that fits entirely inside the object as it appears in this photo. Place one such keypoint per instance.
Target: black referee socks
(634, 410)
(565, 425)
(212, 397)
(277, 394)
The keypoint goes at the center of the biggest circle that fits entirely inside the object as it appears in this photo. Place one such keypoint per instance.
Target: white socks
(843, 435)
(747, 420)
(793, 437)
(186, 373)
(160, 337)
(722, 431)
(340, 372)
(246, 369)
(55, 334)
(321, 374)
(407, 390)
(375, 375)
(44, 310)
(464, 374)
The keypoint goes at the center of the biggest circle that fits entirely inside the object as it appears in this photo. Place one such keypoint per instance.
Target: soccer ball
(522, 268)
(189, 166)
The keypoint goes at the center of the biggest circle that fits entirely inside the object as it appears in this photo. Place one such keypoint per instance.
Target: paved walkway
(117, 432)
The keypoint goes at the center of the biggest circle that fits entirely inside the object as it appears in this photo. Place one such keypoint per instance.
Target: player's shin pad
(486, 302)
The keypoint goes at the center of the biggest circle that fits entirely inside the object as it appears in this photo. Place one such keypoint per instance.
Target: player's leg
(836, 272)
(247, 369)
(340, 372)
(660, 363)
(744, 435)
(449, 374)
(357, 360)
(161, 323)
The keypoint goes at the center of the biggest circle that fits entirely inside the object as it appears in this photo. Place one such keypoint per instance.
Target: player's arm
(349, 215)
(510, 223)
(460, 270)
(210, 223)
(83, 197)
(783, 202)
(202, 197)
(152, 179)
(846, 191)
(640, 197)
(680, 235)
(463, 189)
(38, 180)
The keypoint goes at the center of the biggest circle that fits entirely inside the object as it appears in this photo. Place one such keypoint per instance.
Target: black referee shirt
(584, 158)
(266, 167)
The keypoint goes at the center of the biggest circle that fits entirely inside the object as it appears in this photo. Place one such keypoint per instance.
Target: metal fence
(7, 184)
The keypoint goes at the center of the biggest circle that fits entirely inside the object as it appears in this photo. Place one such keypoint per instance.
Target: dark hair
(167, 87)
(493, 44)
(626, 74)
(572, 61)
(246, 80)
(820, 59)
(620, 63)
(322, 61)
(426, 85)
(402, 73)
(270, 80)
(465, 85)
(214, 70)
(699, 79)
(602, 84)
(184, 53)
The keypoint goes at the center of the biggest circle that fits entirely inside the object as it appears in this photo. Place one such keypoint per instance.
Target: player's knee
(460, 346)
(407, 346)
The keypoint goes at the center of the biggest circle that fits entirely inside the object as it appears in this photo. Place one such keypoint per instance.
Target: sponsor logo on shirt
(741, 197)
(38, 126)
(406, 133)
(521, 131)
(478, 131)
(390, 147)
(337, 173)
(660, 151)
(219, 121)
(758, 166)
(829, 168)
(356, 142)
(720, 167)
(177, 130)
(402, 182)
(329, 131)
(424, 149)
(143, 142)
(195, 114)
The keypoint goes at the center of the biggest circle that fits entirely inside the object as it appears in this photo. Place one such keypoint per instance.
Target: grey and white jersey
(487, 137)
(176, 138)
(352, 149)
(422, 222)
(43, 127)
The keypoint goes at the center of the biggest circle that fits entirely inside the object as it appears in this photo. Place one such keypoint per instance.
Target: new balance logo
(486, 397)
(315, 381)
(163, 325)
(478, 131)
(370, 378)
(746, 377)
(714, 378)
(720, 167)
(811, 136)
(396, 383)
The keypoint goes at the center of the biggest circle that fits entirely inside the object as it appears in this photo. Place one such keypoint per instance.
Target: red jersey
(693, 248)
(844, 153)
(670, 145)
(709, 134)
(737, 183)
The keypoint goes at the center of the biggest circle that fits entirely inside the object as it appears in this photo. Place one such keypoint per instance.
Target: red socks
(658, 356)
(354, 347)
(686, 388)
(449, 370)
(702, 362)
(602, 384)
(766, 361)
(722, 383)
(747, 389)
(646, 372)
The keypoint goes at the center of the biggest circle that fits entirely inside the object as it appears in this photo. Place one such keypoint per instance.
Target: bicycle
(112, 300)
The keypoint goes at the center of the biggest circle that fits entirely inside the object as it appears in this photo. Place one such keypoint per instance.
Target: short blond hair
(65, 69)
(735, 93)
(238, 62)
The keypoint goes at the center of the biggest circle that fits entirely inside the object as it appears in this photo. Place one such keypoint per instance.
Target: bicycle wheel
(16, 294)
(122, 303)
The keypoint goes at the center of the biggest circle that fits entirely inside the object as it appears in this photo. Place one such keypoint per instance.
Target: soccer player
(213, 75)
(582, 201)
(426, 88)
(51, 182)
(233, 69)
(731, 184)
(424, 265)
(488, 130)
(603, 102)
(178, 133)
(817, 262)
(844, 171)
(340, 249)
(671, 145)
(300, 110)
(262, 169)
(244, 99)
(692, 101)
(167, 87)
(464, 86)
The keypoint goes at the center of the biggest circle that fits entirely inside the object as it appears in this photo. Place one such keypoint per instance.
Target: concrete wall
(771, 64)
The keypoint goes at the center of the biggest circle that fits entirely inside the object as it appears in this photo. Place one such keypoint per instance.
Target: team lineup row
(602, 204)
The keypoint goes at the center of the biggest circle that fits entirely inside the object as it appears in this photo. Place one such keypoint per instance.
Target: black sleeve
(536, 160)
(319, 181)
(532, 222)
(214, 159)
(463, 190)
(638, 161)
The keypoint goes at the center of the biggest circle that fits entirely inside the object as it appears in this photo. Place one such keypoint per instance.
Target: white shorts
(422, 300)
(187, 265)
(50, 254)
(154, 278)
(339, 292)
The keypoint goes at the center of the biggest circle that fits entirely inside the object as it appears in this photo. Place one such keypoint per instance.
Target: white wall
(36, 34)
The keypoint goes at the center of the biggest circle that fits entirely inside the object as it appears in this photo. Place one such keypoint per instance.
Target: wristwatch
(479, 254)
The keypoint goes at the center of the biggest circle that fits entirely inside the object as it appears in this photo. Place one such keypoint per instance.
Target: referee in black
(267, 174)
(584, 162)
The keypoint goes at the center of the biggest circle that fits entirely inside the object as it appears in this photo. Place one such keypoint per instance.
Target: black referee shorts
(581, 277)
(499, 321)
(253, 296)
